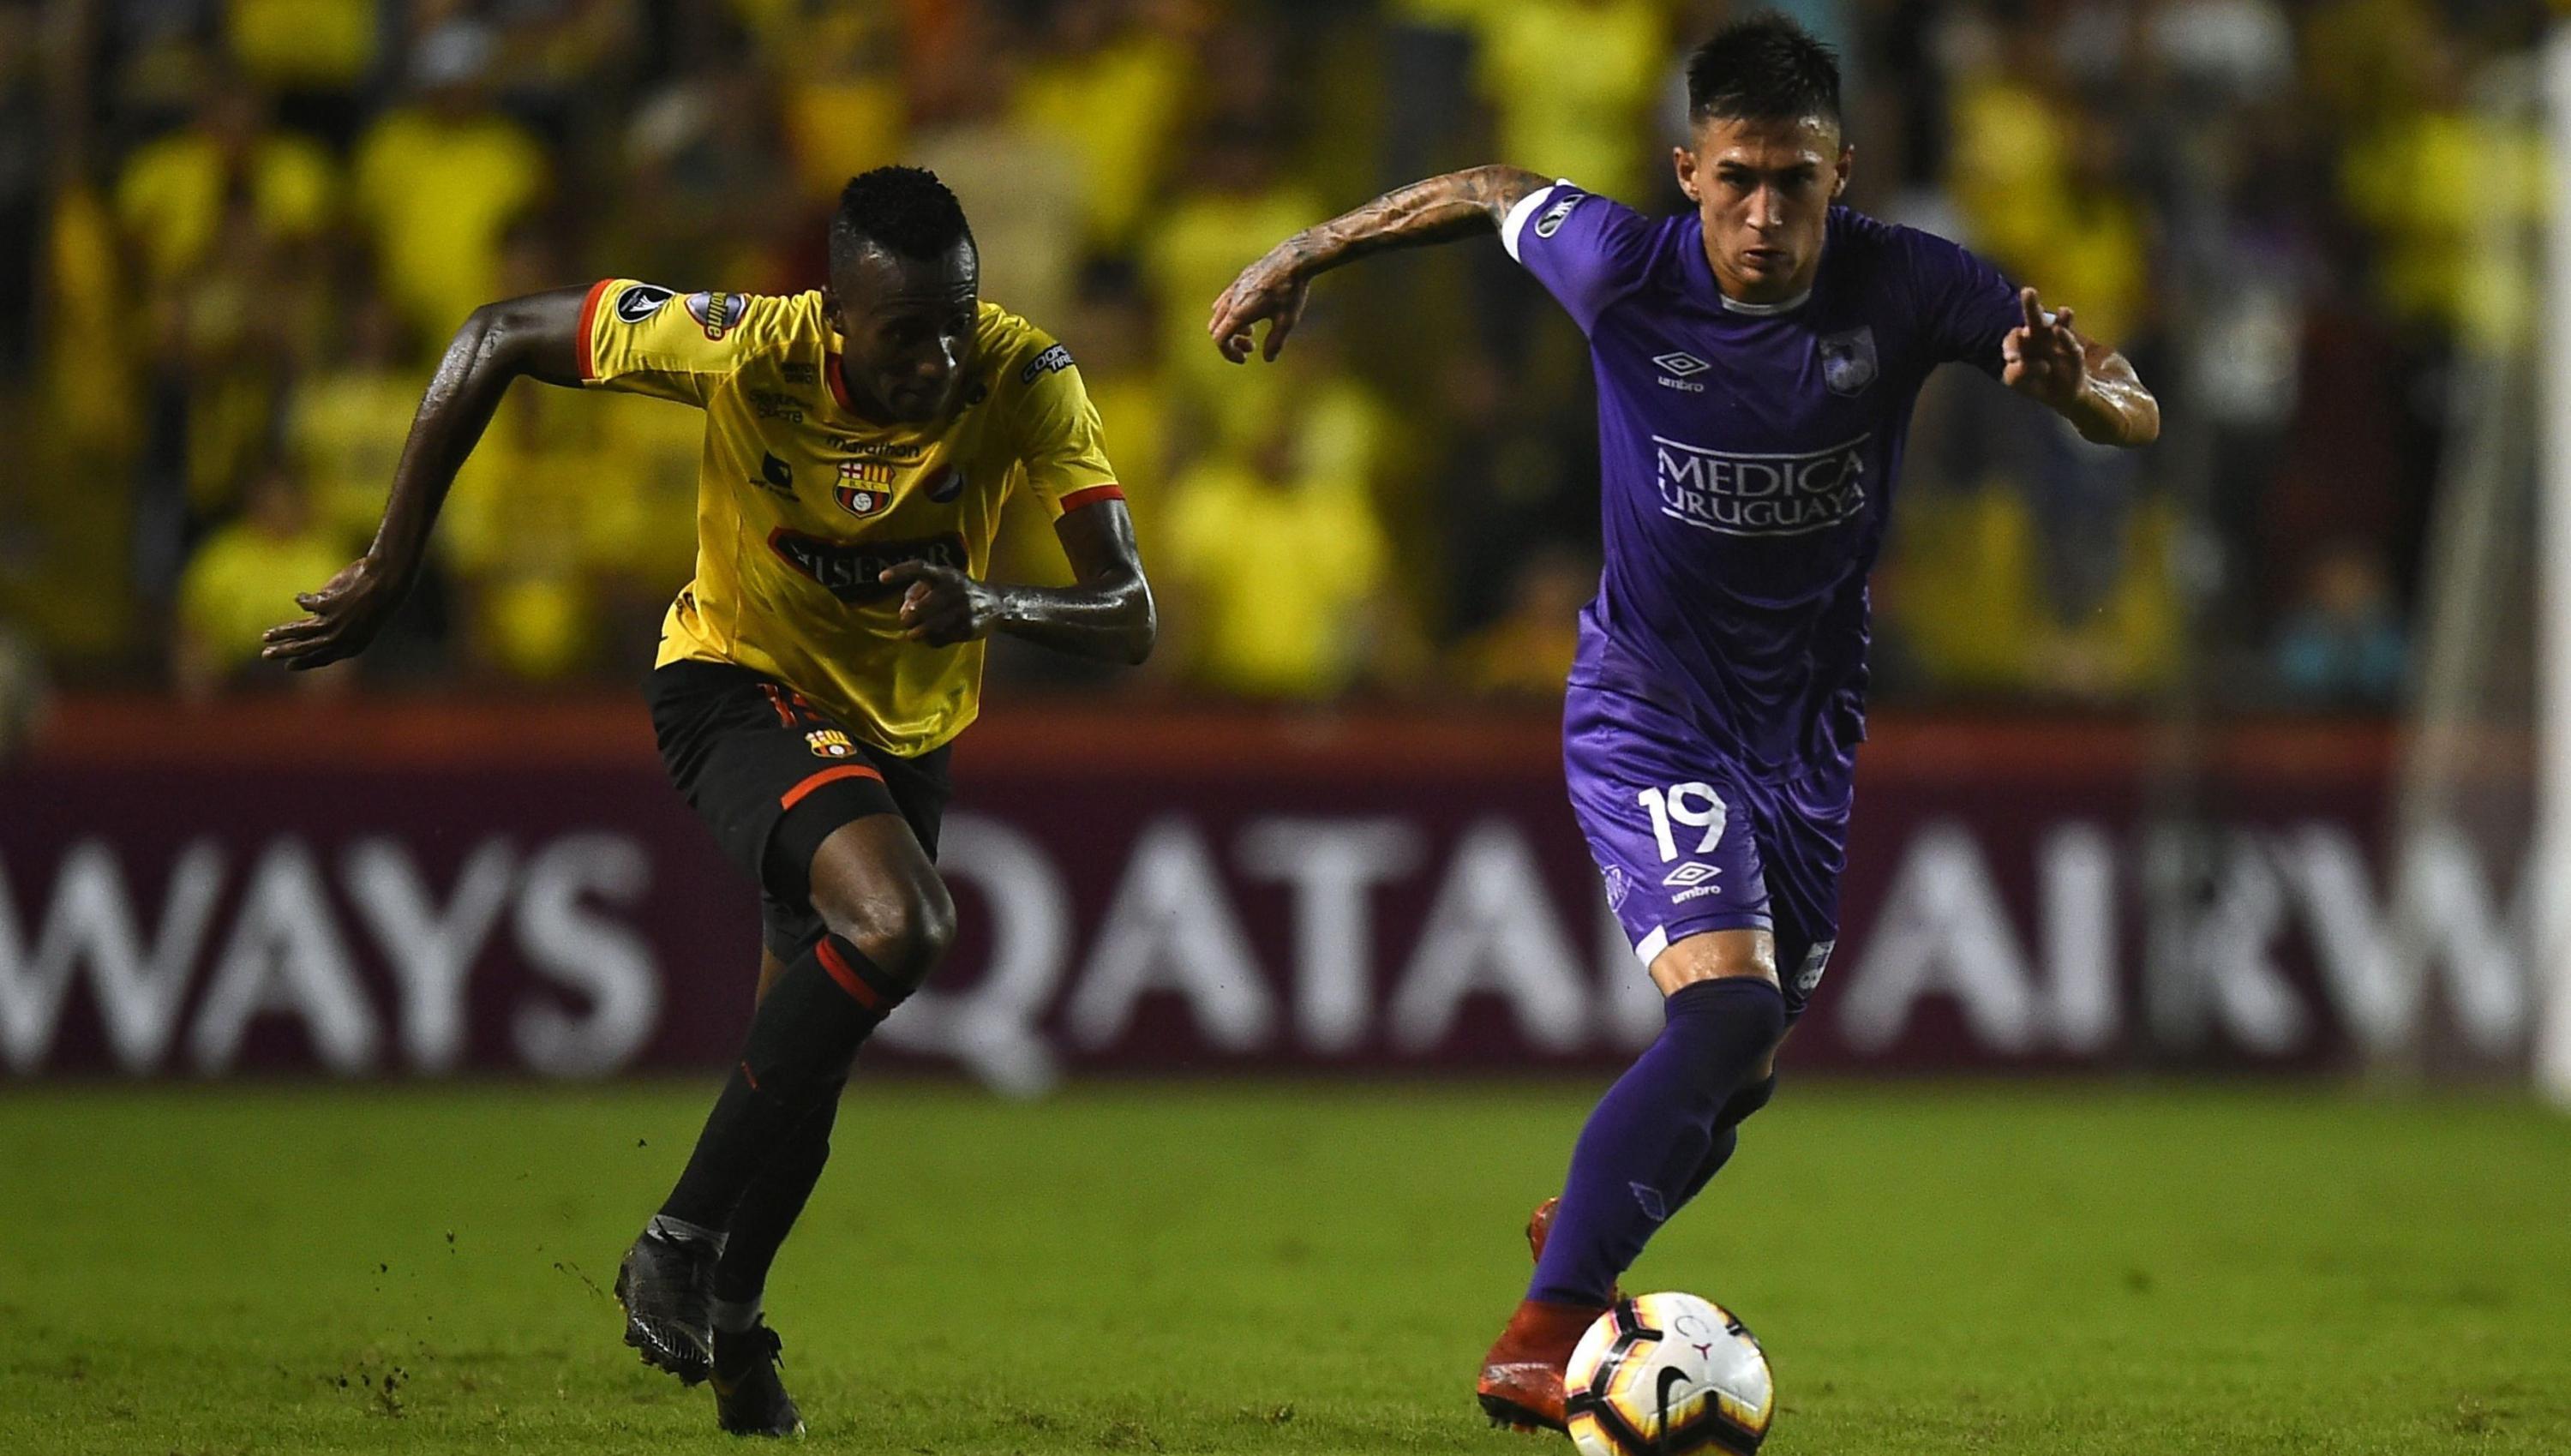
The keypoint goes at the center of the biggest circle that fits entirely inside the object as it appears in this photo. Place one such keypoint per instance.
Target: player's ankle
(671, 1229)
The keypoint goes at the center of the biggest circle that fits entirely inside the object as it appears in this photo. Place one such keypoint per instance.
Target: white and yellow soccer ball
(1666, 1374)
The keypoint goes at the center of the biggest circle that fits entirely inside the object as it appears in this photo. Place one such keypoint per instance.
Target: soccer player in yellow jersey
(859, 443)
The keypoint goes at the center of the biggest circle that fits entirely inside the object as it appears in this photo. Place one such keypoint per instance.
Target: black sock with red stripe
(801, 1042)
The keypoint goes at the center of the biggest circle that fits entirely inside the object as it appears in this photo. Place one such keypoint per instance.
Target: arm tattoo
(1438, 210)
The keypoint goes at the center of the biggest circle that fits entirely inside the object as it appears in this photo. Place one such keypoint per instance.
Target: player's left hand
(1272, 289)
(340, 619)
(941, 605)
(2044, 359)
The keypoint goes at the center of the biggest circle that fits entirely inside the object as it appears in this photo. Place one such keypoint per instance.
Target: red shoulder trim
(589, 318)
(1092, 496)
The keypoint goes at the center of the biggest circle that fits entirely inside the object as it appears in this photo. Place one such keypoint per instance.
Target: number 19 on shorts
(1695, 805)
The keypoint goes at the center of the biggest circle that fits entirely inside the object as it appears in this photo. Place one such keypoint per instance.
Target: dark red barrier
(407, 888)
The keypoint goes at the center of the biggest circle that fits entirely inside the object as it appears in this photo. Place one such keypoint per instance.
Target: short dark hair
(905, 211)
(1765, 68)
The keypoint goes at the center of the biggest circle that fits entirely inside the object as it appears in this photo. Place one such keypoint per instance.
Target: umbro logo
(1693, 872)
(1653, 1208)
(1678, 368)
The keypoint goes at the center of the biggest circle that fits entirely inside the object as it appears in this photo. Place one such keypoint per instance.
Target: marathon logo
(847, 568)
(1759, 495)
(774, 475)
(879, 449)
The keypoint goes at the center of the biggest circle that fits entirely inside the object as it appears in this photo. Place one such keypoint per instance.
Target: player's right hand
(1272, 289)
(344, 615)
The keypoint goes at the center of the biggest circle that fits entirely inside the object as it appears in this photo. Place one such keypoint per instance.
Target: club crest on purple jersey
(1847, 361)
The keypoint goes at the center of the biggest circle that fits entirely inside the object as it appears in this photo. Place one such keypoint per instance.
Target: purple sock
(1639, 1156)
(1726, 1138)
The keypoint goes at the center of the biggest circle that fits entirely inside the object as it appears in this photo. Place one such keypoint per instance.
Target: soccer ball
(1665, 1374)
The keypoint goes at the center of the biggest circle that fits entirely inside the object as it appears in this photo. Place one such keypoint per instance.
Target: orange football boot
(1540, 1227)
(1521, 1384)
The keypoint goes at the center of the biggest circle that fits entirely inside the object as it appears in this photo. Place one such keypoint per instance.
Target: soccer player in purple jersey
(1757, 362)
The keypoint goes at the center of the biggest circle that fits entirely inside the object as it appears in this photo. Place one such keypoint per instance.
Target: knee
(905, 930)
(917, 938)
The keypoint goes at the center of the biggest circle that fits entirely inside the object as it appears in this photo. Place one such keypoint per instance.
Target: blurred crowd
(242, 232)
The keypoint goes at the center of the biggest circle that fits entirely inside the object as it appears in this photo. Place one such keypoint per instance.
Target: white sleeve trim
(1515, 223)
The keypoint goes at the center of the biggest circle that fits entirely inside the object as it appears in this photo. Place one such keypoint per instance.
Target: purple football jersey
(1746, 458)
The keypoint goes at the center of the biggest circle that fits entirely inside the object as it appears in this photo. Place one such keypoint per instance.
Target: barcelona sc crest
(830, 744)
(1847, 361)
(864, 487)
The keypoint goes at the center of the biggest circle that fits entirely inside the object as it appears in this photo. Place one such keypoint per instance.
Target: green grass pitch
(1285, 1269)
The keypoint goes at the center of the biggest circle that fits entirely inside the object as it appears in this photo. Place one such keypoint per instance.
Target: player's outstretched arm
(1456, 204)
(537, 335)
(2080, 380)
(1107, 612)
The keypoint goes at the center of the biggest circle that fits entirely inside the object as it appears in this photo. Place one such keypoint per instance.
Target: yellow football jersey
(801, 504)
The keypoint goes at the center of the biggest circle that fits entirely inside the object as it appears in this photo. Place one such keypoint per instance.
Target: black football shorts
(774, 774)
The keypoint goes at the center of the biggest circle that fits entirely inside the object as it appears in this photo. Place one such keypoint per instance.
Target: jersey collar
(839, 396)
(1701, 268)
(1763, 310)
(838, 386)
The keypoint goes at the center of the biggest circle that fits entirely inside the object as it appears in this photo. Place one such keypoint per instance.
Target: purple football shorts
(1689, 840)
